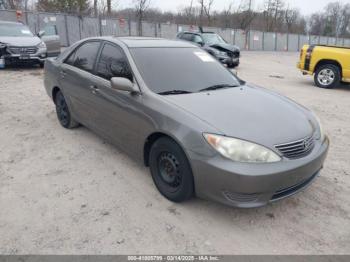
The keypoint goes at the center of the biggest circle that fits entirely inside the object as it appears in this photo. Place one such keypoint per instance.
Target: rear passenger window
(85, 56)
(113, 63)
(187, 36)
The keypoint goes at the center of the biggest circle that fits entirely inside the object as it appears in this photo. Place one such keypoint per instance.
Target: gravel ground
(69, 192)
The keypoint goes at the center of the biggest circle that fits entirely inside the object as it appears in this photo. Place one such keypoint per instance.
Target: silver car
(19, 45)
(200, 129)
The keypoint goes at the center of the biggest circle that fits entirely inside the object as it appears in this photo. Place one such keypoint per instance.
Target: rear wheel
(171, 171)
(63, 113)
(327, 76)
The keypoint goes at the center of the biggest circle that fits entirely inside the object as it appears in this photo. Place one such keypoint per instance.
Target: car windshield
(181, 70)
(14, 30)
(212, 39)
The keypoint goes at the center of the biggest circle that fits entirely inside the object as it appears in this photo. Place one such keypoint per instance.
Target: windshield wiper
(174, 92)
(216, 87)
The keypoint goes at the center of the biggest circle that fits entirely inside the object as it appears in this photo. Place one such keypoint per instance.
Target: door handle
(63, 74)
(94, 89)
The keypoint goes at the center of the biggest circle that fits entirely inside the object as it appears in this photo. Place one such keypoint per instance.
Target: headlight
(3, 45)
(240, 150)
(222, 53)
(42, 45)
(321, 134)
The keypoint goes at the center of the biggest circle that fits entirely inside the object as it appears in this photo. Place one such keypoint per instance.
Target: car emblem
(306, 144)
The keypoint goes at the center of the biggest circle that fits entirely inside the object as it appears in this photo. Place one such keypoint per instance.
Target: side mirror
(41, 34)
(201, 43)
(123, 84)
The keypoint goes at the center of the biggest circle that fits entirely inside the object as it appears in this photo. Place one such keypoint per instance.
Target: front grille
(282, 193)
(297, 149)
(233, 54)
(23, 50)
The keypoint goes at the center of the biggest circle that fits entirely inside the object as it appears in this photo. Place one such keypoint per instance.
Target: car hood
(20, 41)
(249, 113)
(225, 47)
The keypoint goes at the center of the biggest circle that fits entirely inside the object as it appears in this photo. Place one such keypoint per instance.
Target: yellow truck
(330, 65)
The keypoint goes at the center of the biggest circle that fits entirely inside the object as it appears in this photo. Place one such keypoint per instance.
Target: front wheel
(63, 113)
(171, 171)
(327, 76)
(232, 65)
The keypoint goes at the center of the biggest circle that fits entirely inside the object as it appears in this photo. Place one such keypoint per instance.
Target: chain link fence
(73, 28)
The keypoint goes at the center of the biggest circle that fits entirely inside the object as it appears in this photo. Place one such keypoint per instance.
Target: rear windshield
(188, 69)
(15, 30)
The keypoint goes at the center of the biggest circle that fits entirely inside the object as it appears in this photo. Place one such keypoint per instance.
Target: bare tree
(205, 9)
(227, 16)
(290, 16)
(109, 7)
(189, 13)
(140, 8)
(95, 8)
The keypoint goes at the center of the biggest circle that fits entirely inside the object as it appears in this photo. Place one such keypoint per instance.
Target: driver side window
(197, 39)
(113, 63)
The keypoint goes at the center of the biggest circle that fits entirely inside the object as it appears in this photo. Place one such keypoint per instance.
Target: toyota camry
(202, 131)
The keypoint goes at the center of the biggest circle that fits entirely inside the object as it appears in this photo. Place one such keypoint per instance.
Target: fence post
(129, 25)
(38, 21)
(26, 13)
(298, 43)
(66, 27)
(287, 41)
(275, 41)
(263, 41)
(80, 28)
(100, 25)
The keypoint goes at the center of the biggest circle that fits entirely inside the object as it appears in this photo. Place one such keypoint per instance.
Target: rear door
(52, 40)
(76, 77)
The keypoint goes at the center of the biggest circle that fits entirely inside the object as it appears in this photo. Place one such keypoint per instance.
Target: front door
(118, 113)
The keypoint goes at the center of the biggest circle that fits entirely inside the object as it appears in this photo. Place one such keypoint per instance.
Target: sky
(305, 6)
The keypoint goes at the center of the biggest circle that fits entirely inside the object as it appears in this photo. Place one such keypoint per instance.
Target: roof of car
(144, 42)
(196, 32)
(10, 23)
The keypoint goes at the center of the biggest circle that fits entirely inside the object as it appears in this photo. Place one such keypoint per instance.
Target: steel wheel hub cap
(326, 77)
(169, 169)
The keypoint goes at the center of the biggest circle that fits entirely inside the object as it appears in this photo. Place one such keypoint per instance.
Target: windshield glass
(212, 39)
(181, 69)
(15, 30)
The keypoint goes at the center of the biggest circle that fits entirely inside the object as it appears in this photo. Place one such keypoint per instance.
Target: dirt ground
(69, 192)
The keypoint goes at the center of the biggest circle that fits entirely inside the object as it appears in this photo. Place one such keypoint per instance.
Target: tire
(63, 113)
(327, 76)
(171, 171)
(233, 65)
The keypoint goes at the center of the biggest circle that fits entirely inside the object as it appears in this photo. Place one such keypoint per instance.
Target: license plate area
(24, 57)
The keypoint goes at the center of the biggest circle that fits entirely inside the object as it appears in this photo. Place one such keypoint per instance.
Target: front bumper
(228, 60)
(38, 57)
(255, 185)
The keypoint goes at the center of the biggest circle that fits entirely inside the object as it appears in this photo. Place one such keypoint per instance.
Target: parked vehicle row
(201, 130)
